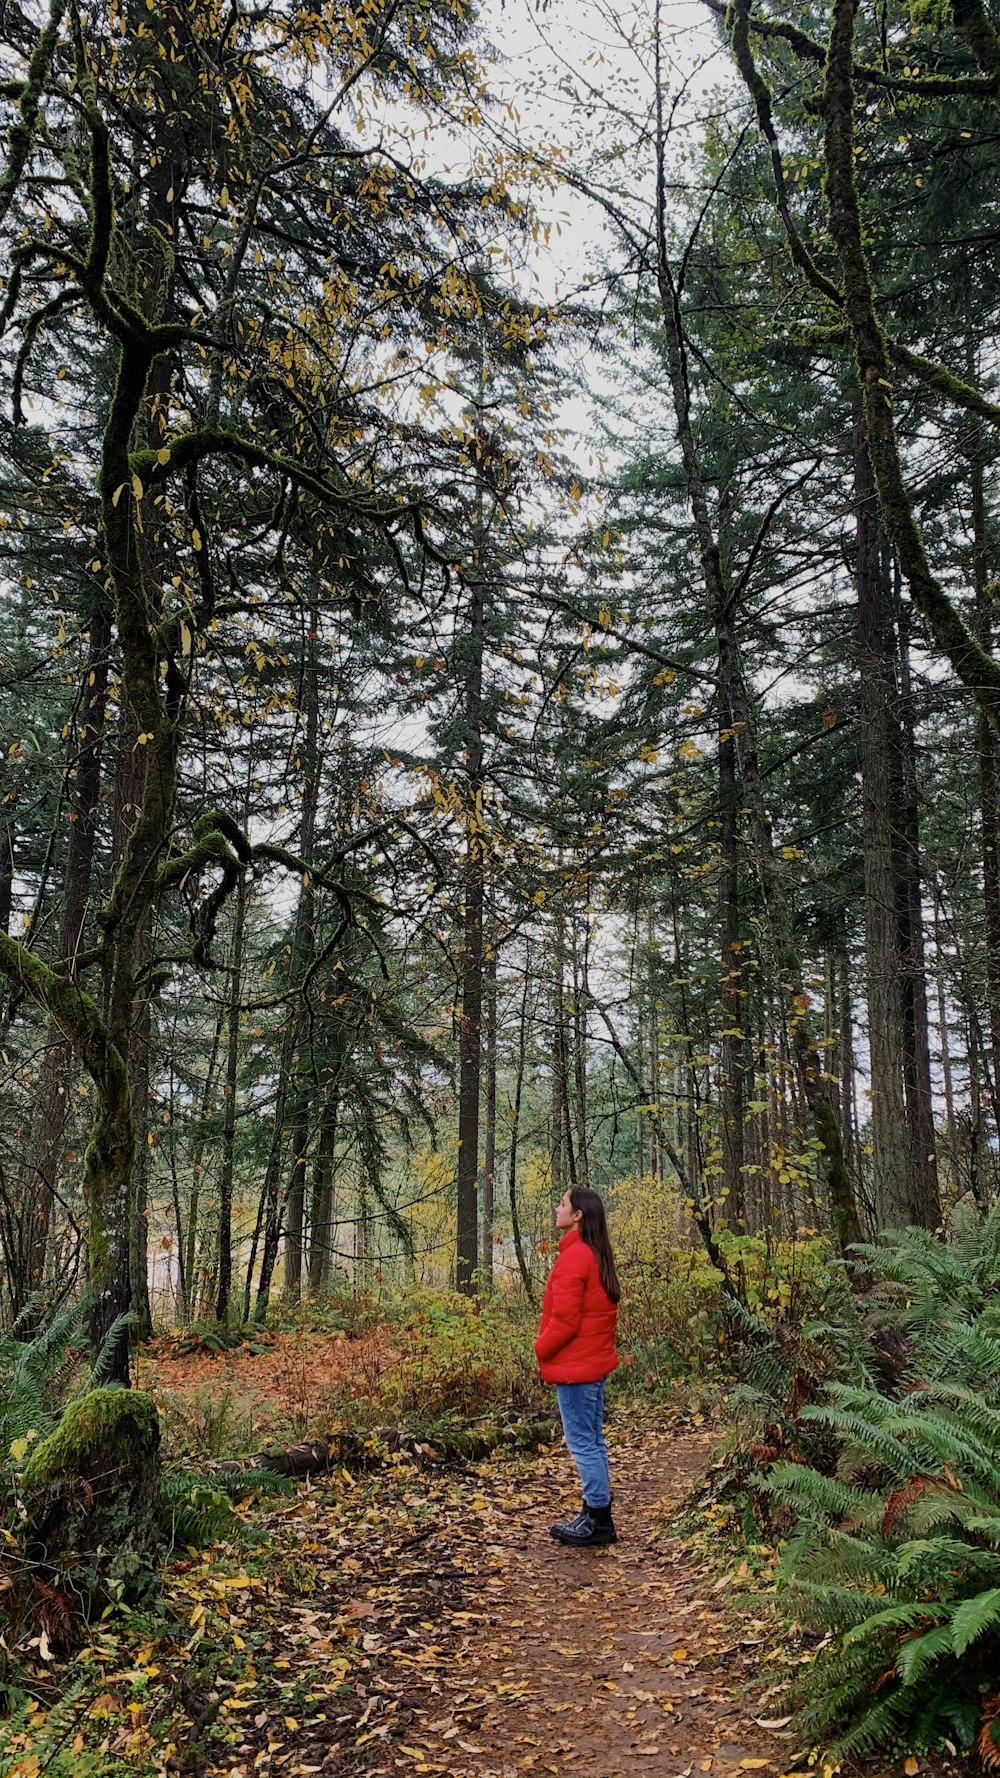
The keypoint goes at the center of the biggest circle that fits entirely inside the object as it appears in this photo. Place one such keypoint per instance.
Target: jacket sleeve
(567, 1283)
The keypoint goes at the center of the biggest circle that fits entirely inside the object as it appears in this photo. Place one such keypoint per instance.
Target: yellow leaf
(137, 487)
(19, 1449)
(163, 455)
(196, 539)
(116, 496)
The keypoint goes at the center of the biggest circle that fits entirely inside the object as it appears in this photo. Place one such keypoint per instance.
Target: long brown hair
(594, 1230)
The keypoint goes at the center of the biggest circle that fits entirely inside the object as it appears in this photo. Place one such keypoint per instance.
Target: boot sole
(582, 1543)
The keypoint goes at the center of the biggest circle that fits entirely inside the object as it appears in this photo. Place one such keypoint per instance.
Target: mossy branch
(77, 1015)
(209, 848)
(738, 24)
(220, 842)
(218, 441)
(20, 259)
(22, 133)
(953, 388)
(809, 49)
(936, 376)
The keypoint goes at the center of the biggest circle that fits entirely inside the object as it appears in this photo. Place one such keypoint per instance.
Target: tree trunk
(145, 1137)
(8, 862)
(581, 998)
(470, 667)
(321, 1220)
(732, 683)
(845, 1061)
(926, 1208)
(891, 1161)
(197, 1166)
(225, 1265)
(515, 1125)
(989, 777)
(270, 1209)
(84, 800)
(303, 952)
(731, 1108)
(944, 1036)
(490, 1133)
(558, 1180)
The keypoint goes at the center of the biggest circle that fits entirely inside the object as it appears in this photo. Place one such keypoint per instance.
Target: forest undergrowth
(841, 1503)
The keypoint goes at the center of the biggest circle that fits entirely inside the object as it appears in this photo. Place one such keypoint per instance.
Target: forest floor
(447, 1633)
(282, 1385)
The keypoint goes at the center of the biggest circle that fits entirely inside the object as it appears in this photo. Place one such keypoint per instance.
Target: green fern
(974, 1617)
(197, 1509)
(896, 1554)
(194, 1514)
(30, 1395)
(101, 1372)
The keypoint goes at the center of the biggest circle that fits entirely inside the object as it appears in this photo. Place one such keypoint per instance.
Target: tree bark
(470, 1036)
(913, 961)
(490, 1132)
(515, 1127)
(224, 1271)
(321, 1220)
(731, 1109)
(989, 776)
(891, 1159)
(84, 803)
(197, 1164)
(303, 952)
(270, 1209)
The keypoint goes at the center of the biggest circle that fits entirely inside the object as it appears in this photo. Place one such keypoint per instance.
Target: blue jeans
(581, 1406)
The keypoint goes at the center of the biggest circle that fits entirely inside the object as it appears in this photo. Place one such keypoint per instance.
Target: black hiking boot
(594, 1526)
(568, 1524)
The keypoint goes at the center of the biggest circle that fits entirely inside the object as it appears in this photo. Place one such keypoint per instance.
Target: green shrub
(895, 1552)
(673, 1318)
(462, 1355)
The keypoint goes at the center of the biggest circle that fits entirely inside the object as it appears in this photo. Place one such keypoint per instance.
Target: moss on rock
(92, 1489)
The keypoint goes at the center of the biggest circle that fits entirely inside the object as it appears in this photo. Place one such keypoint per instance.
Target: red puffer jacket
(576, 1341)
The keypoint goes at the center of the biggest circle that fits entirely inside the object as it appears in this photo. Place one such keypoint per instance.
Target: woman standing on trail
(575, 1350)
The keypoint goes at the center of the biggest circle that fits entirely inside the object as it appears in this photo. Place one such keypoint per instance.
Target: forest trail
(610, 1663)
(492, 1651)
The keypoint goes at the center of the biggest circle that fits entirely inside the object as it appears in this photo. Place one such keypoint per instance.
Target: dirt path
(480, 1648)
(596, 1663)
(612, 1662)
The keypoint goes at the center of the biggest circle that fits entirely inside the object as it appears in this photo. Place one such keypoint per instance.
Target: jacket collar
(568, 1239)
